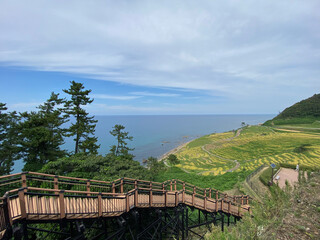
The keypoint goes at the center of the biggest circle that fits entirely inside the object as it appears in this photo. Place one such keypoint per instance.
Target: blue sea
(158, 134)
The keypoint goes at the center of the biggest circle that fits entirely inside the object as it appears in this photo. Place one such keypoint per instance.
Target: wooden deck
(44, 197)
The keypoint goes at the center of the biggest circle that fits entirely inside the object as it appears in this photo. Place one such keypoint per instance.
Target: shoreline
(173, 151)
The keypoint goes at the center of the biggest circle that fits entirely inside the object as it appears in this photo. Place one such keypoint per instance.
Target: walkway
(44, 197)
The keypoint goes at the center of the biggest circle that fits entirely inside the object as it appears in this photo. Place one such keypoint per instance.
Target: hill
(290, 214)
(304, 112)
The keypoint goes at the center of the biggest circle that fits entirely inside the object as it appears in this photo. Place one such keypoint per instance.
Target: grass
(292, 121)
(265, 177)
(215, 154)
(221, 182)
(279, 215)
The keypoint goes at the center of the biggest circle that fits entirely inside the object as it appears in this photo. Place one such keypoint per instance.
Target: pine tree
(121, 136)
(84, 126)
(42, 134)
(9, 149)
(54, 119)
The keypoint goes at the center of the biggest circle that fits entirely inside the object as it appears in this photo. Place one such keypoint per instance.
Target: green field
(216, 154)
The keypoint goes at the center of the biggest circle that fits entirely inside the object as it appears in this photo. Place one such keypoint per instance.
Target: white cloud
(231, 48)
(113, 97)
(150, 94)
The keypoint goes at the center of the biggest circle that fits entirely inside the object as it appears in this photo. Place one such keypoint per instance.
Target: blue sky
(161, 57)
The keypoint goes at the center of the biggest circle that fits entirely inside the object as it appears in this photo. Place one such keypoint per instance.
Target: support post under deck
(222, 222)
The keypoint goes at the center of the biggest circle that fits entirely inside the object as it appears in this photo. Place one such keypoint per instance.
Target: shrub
(173, 159)
(265, 177)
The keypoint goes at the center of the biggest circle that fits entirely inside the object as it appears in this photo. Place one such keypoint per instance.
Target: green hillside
(304, 112)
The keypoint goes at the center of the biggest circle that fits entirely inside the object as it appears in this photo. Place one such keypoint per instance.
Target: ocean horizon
(155, 135)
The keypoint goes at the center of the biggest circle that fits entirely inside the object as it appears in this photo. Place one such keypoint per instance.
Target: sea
(155, 135)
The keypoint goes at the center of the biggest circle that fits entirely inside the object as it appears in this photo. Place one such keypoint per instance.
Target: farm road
(217, 156)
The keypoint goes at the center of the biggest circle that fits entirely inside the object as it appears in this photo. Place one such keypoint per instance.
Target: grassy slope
(281, 215)
(222, 182)
(255, 145)
(305, 112)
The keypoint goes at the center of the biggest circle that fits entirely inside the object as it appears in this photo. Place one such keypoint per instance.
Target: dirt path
(175, 150)
(226, 159)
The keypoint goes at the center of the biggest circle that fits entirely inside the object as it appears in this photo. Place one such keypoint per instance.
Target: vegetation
(223, 182)
(215, 154)
(304, 112)
(121, 136)
(108, 168)
(84, 126)
(288, 214)
(306, 108)
(8, 140)
(154, 166)
(37, 138)
(265, 177)
(41, 135)
(173, 160)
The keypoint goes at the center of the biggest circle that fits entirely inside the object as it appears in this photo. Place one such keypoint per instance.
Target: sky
(161, 57)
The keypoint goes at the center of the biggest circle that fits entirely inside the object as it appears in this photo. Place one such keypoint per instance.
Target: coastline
(173, 151)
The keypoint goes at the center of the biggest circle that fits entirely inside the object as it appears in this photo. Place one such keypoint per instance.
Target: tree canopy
(121, 148)
(84, 126)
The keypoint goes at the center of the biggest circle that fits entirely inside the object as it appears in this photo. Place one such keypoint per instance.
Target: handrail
(18, 188)
(87, 184)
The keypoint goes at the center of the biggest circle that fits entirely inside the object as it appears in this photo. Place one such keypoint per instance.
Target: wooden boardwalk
(43, 197)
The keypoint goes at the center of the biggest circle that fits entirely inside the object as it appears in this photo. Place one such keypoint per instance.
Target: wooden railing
(39, 196)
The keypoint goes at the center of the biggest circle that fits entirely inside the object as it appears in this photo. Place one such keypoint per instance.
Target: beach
(173, 151)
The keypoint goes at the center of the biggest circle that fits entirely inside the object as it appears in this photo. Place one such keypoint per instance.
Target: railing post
(113, 187)
(175, 185)
(136, 197)
(165, 198)
(210, 193)
(88, 187)
(205, 193)
(241, 199)
(162, 186)
(100, 204)
(61, 202)
(135, 193)
(171, 185)
(127, 203)
(24, 181)
(217, 194)
(121, 185)
(176, 198)
(184, 192)
(222, 204)
(193, 195)
(247, 199)
(216, 205)
(22, 203)
(7, 213)
(55, 183)
(150, 195)
(205, 203)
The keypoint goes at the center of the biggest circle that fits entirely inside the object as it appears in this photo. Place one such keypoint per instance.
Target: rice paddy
(217, 153)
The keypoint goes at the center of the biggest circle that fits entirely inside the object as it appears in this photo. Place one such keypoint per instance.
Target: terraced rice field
(215, 154)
